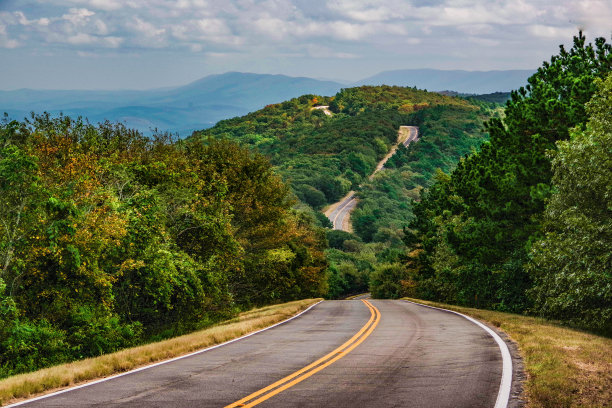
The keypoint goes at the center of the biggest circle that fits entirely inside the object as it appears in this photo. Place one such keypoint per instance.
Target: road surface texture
(374, 353)
(340, 213)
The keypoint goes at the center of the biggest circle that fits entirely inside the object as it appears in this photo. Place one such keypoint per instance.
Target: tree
(490, 211)
(572, 264)
(387, 281)
(18, 187)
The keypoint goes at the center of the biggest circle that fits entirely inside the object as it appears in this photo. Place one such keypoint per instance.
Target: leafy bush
(336, 238)
(32, 345)
(386, 281)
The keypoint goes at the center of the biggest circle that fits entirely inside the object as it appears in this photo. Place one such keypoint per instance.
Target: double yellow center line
(289, 381)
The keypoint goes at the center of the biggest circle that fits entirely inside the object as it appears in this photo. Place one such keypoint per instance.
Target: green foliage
(336, 238)
(350, 267)
(8, 311)
(92, 332)
(323, 158)
(572, 263)
(323, 220)
(110, 239)
(31, 345)
(474, 229)
(446, 134)
(354, 101)
(386, 281)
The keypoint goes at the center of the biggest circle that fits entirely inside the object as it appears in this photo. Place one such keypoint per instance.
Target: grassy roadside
(565, 367)
(54, 378)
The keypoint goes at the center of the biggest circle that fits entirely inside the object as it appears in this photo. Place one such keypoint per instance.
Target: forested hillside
(523, 225)
(323, 157)
(110, 239)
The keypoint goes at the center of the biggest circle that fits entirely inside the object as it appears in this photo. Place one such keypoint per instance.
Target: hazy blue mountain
(471, 82)
(202, 103)
(183, 109)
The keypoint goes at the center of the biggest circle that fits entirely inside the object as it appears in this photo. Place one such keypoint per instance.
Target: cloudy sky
(139, 44)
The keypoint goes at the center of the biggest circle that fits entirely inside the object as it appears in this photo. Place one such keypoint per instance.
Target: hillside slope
(323, 157)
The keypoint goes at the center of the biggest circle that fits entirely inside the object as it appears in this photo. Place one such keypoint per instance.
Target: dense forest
(523, 225)
(322, 157)
(110, 239)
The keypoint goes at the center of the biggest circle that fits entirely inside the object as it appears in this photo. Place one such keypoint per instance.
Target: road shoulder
(518, 398)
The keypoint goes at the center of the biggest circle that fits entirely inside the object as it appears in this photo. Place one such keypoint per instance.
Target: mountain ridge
(203, 102)
(462, 81)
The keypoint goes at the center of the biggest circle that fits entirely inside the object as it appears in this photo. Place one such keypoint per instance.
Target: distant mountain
(203, 103)
(471, 82)
(183, 109)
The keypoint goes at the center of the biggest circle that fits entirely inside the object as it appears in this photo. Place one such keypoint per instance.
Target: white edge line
(503, 395)
(161, 362)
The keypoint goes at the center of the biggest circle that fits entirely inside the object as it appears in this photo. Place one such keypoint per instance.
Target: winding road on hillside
(366, 353)
(340, 213)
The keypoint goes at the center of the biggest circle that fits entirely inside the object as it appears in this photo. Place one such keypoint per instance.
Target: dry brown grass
(54, 378)
(565, 367)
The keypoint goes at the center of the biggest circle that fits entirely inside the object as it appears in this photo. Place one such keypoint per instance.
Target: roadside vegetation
(524, 224)
(566, 368)
(110, 239)
(64, 375)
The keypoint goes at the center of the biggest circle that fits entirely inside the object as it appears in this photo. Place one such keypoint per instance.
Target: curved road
(339, 213)
(376, 353)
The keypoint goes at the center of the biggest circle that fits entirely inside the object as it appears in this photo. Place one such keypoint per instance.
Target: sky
(143, 44)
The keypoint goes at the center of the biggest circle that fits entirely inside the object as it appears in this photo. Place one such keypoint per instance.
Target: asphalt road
(340, 215)
(390, 354)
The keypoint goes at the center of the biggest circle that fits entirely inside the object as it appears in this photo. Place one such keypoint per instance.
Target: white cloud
(344, 28)
(486, 42)
(8, 43)
(111, 42)
(321, 51)
(5, 41)
(544, 31)
(80, 38)
(349, 31)
(147, 29)
(593, 16)
(78, 16)
(108, 5)
(372, 11)
(212, 27)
